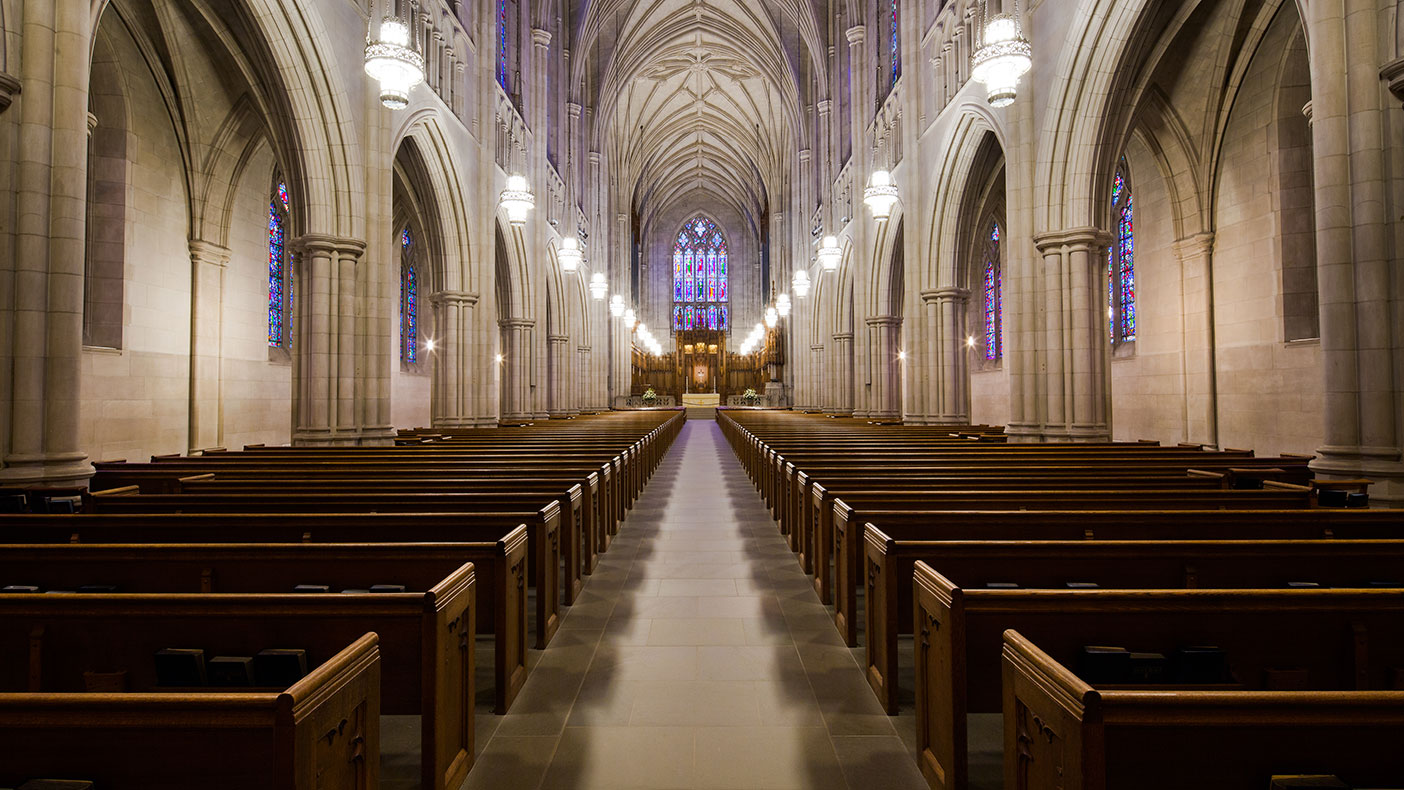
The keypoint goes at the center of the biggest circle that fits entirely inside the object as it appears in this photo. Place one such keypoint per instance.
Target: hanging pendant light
(830, 254)
(630, 320)
(772, 317)
(1004, 55)
(393, 63)
(570, 255)
(881, 195)
(598, 287)
(800, 284)
(517, 200)
(783, 305)
(616, 303)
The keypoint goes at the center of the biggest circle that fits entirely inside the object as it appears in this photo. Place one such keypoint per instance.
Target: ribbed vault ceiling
(697, 101)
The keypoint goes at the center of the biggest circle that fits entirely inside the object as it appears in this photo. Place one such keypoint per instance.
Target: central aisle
(698, 656)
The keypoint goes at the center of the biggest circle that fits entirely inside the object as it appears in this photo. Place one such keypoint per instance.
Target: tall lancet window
(506, 42)
(895, 41)
(409, 301)
(994, 295)
(700, 264)
(1121, 263)
(280, 295)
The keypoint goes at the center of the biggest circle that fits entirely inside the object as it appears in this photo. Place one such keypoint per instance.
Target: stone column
(884, 335)
(207, 266)
(516, 360)
(50, 236)
(1351, 134)
(1196, 255)
(452, 401)
(539, 374)
(325, 350)
(1074, 338)
(818, 400)
(843, 373)
(948, 355)
(856, 395)
(561, 375)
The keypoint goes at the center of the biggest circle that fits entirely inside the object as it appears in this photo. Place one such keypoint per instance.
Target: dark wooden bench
(280, 567)
(321, 732)
(889, 566)
(1342, 633)
(1063, 733)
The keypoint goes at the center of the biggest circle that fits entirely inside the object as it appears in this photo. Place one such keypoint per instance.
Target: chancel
(454, 394)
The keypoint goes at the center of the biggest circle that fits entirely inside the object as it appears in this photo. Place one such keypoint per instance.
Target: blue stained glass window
(725, 323)
(677, 318)
(994, 297)
(502, 28)
(689, 317)
(700, 274)
(896, 43)
(409, 302)
(1121, 263)
(277, 266)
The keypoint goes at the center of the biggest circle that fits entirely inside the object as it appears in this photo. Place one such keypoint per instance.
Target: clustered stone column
(50, 229)
(452, 395)
(1196, 255)
(884, 336)
(325, 350)
(1074, 372)
(516, 353)
(949, 358)
(560, 376)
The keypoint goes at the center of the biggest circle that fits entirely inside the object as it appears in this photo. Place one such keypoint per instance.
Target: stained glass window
(279, 300)
(1121, 263)
(896, 43)
(700, 263)
(409, 301)
(994, 296)
(502, 39)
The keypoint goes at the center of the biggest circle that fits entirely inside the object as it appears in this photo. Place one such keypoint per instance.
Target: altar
(702, 400)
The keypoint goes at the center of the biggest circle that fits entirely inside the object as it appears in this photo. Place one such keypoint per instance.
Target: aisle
(698, 656)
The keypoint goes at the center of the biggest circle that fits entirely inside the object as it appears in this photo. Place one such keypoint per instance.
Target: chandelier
(772, 317)
(800, 284)
(1004, 55)
(616, 303)
(783, 305)
(881, 195)
(630, 320)
(830, 254)
(570, 255)
(393, 63)
(517, 200)
(598, 286)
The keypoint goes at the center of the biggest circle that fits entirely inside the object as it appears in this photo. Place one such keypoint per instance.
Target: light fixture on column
(598, 287)
(393, 63)
(830, 254)
(1004, 55)
(772, 317)
(517, 200)
(570, 255)
(881, 195)
(800, 284)
(616, 304)
(783, 305)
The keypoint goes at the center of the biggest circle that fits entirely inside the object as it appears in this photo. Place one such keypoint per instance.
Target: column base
(57, 471)
(1381, 465)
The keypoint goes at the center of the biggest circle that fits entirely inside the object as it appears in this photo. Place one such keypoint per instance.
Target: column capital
(947, 295)
(583, 349)
(92, 123)
(1198, 244)
(573, 110)
(843, 337)
(817, 347)
(856, 34)
(208, 253)
(558, 340)
(1071, 239)
(595, 157)
(824, 107)
(541, 37)
(516, 323)
(323, 243)
(885, 320)
(806, 155)
(1393, 74)
(455, 297)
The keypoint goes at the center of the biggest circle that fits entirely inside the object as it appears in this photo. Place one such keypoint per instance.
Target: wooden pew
(1342, 633)
(426, 640)
(321, 732)
(543, 524)
(280, 567)
(889, 566)
(850, 514)
(1062, 732)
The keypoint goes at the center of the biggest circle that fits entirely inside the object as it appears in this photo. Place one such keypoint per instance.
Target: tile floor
(698, 657)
